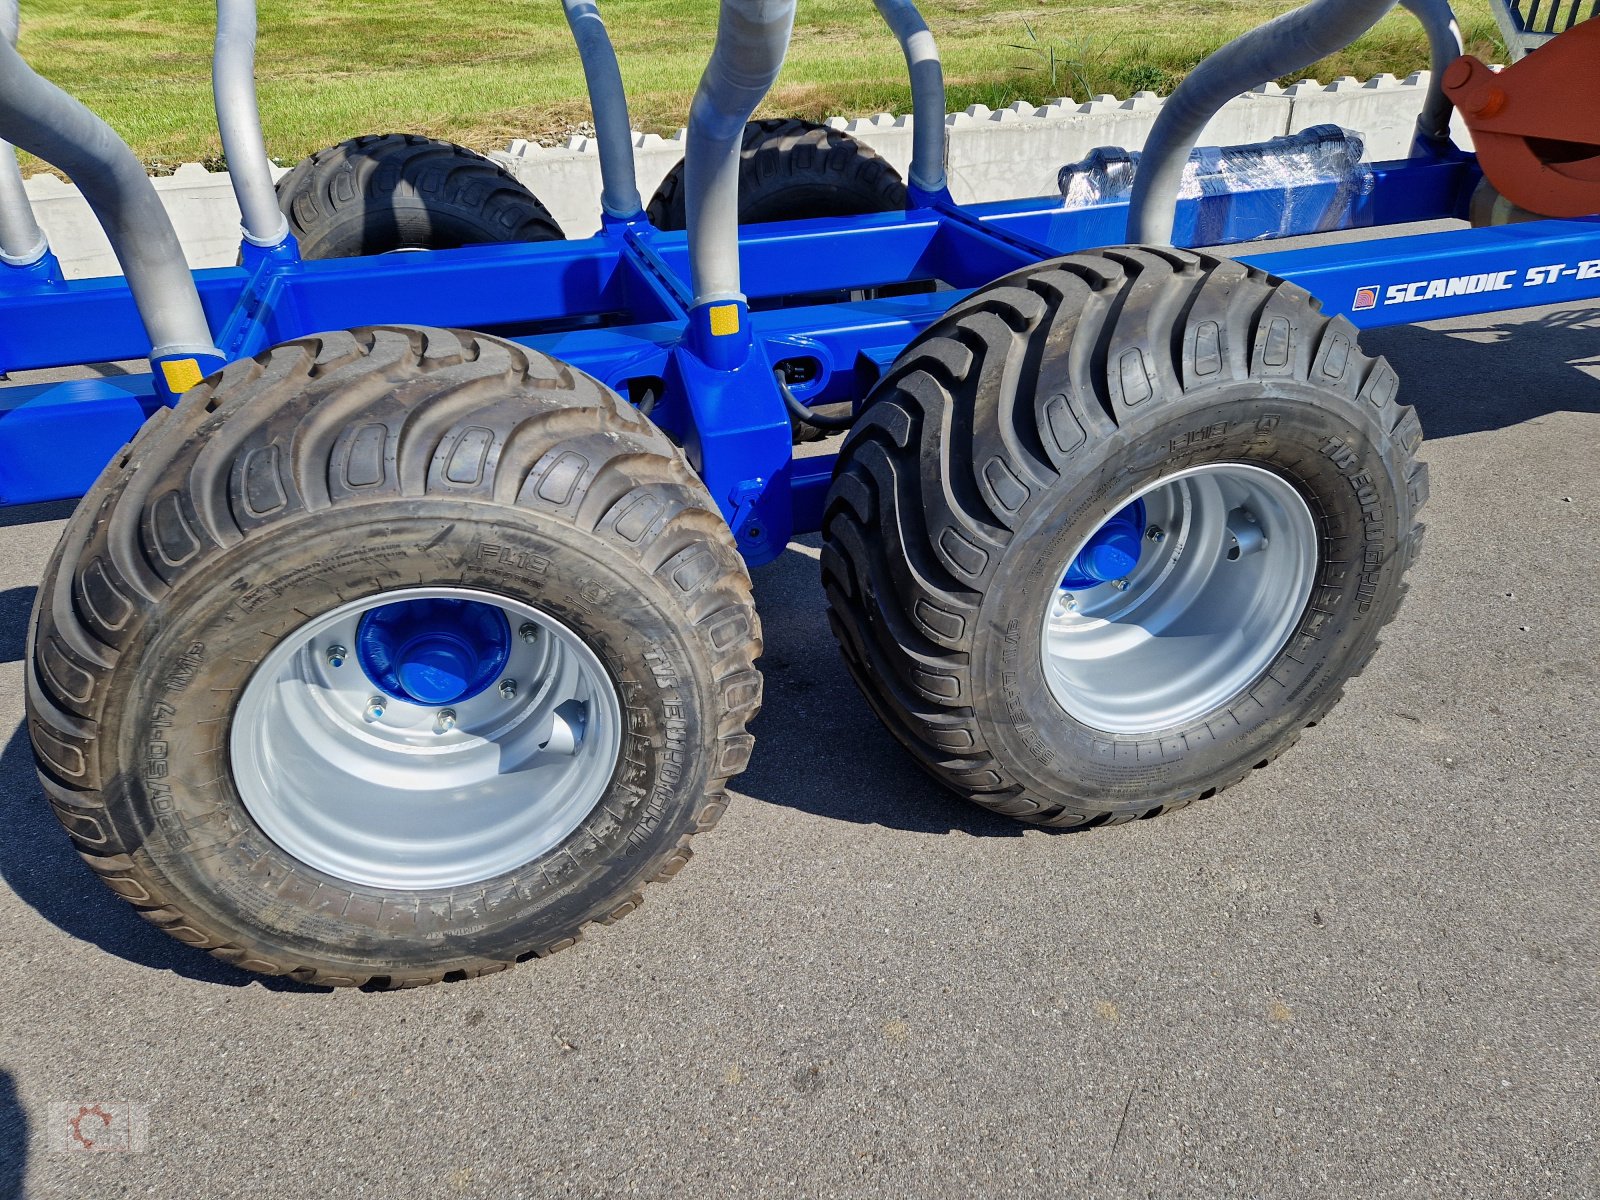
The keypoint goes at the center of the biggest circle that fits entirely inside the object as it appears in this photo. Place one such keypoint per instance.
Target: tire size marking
(153, 767)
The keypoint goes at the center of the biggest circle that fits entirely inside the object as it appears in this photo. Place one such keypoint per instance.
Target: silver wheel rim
(410, 800)
(1227, 560)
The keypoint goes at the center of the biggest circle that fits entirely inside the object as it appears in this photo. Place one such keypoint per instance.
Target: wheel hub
(441, 753)
(433, 651)
(1111, 552)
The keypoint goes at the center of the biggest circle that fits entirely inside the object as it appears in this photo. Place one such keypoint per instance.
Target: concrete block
(992, 159)
(1383, 110)
(200, 203)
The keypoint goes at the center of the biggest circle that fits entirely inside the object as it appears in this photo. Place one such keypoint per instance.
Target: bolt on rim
(1200, 599)
(378, 786)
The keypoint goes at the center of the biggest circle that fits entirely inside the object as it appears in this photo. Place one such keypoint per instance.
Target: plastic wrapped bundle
(1318, 172)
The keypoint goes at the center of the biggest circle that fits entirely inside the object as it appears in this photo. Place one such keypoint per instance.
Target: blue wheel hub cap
(1111, 552)
(435, 651)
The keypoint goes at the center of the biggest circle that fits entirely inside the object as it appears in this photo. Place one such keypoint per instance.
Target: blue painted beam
(56, 438)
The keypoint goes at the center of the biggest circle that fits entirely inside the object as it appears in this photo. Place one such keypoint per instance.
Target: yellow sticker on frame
(724, 320)
(181, 374)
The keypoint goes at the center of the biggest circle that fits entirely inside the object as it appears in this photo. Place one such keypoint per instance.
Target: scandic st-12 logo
(1368, 298)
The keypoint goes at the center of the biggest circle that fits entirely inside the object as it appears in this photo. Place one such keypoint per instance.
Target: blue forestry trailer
(405, 626)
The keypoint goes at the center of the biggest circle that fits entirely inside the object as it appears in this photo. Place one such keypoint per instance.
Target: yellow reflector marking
(181, 374)
(724, 320)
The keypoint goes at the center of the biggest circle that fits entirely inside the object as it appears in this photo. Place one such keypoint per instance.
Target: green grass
(482, 72)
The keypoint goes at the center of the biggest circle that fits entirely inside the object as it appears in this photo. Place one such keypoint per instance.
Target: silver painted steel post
(1281, 46)
(233, 86)
(44, 120)
(752, 38)
(608, 103)
(22, 242)
(1444, 46)
(927, 92)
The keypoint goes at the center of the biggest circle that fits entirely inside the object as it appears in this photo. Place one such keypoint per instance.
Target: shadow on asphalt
(38, 863)
(15, 606)
(1494, 374)
(13, 1138)
(30, 514)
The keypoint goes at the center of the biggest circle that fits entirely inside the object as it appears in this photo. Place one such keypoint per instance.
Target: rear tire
(336, 469)
(791, 170)
(1015, 428)
(387, 192)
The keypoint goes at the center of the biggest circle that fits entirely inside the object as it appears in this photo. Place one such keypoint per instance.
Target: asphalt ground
(1368, 971)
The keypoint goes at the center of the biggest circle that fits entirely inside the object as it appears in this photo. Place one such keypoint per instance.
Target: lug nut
(445, 721)
(529, 632)
(1120, 584)
(1155, 533)
(508, 689)
(337, 655)
(376, 708)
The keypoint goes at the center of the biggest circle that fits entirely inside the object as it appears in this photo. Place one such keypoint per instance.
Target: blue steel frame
(617, 305)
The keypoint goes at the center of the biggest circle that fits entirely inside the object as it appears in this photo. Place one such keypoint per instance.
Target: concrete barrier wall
(1004, 155)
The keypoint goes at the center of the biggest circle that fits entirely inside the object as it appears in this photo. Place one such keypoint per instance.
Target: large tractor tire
(791, 170)
(1118, 527)
(392, 656)
(394, 191)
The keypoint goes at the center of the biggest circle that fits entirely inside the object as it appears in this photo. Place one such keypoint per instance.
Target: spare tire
(397, 191)
(790, 170)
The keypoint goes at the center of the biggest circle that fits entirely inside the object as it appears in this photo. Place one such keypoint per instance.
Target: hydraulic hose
(233, 85)
(22, 242)
(927, 92)
(1280, 47)
(752, 38)
(44, 120)
(1444, 47)
(608, 103)
(798, 409)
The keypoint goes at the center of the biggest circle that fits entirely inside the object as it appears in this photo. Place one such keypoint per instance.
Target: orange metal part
(1536, 124)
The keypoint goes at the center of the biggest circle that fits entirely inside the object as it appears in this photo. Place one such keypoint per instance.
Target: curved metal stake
(927, 93)
(752, 38)
(233, 85)
(1281, 46)
(22, 242)
(608, 103)
(44, 120)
